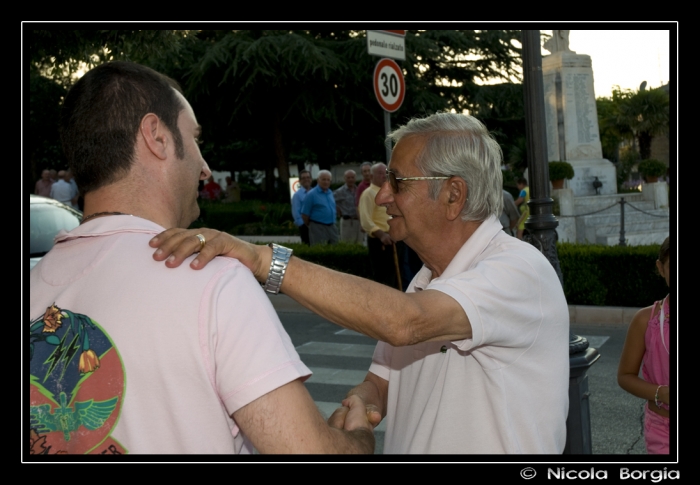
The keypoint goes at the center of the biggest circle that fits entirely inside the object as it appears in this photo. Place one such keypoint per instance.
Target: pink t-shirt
(656, 361)
(143, 358)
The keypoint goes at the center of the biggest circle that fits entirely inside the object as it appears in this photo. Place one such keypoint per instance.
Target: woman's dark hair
(664, 251)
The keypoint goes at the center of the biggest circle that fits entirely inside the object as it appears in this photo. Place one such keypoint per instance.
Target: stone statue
(558, 42)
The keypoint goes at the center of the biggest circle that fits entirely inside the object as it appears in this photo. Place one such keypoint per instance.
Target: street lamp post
(541, 226)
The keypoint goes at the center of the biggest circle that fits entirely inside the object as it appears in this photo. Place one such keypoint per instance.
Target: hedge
(593, 275)
(345, 257)
(250, 217)
(611, 275)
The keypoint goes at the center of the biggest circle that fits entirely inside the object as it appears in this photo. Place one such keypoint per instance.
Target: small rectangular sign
(293, 186)
(387, 43)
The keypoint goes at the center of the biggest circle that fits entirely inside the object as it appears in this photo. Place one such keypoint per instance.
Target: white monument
(572, 117)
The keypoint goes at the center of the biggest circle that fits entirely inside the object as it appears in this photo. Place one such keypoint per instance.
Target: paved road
(340, 358)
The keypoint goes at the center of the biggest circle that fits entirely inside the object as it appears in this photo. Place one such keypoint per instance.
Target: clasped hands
(354, 414)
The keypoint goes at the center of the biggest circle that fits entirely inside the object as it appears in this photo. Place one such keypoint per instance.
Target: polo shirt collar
(108, 225)
(466, 255)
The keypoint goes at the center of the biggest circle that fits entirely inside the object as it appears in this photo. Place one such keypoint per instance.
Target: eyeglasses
(394, 180)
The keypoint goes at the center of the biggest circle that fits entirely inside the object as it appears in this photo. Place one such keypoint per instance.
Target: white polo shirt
(505, 390)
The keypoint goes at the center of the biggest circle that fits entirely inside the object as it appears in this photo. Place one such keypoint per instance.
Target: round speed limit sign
(389, 86)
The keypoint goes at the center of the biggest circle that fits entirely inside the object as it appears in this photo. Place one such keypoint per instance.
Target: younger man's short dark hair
(101, 115)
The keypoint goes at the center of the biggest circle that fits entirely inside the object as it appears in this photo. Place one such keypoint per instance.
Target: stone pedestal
(656, 192)
(566, 230)
(572, 122)
(585, 172)
(565, 197)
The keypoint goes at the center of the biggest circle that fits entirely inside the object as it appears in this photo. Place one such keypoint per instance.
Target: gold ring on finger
(202, 241)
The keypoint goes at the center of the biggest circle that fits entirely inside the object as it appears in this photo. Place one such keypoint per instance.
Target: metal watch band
(278, 266)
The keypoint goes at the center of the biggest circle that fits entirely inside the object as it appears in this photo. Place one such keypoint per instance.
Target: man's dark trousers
(382, 260)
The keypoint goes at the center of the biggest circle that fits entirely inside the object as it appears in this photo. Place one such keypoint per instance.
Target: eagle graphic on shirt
(77, 385)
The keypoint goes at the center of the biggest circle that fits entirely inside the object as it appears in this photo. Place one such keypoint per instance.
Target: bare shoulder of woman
(644, 314)
(641, 318)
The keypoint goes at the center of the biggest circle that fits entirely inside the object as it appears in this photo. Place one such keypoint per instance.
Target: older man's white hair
(460, 145)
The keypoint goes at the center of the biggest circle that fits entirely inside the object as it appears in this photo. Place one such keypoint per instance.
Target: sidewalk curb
(601, 315)
(578, 314)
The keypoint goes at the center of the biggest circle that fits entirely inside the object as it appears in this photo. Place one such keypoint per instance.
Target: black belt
(349, 217)
(323, 224)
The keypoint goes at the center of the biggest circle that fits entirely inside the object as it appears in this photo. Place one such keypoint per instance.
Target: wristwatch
(278, 266)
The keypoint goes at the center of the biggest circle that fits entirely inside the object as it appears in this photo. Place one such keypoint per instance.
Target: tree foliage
(59, 54)
(269, 97)
(307, 95)
(629, 114)
(54, 57)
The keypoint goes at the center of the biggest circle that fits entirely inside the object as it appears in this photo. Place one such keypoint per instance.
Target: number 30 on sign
(389, 85)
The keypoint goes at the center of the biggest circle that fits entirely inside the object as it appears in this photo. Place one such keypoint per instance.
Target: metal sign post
(387, 130)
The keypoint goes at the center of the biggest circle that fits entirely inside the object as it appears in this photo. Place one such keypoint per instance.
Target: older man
(43, 185)
(297, 200)
(366, 171)
(509, 216)
(474, 357)
(318, 211)
(375, 222)
(141, 358)
(71, 180)
(347, 211)
(62, 190)
(211, 190)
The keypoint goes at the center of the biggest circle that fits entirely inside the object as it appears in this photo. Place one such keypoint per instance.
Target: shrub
(560, 170)
(583, 280)
(610, 275)
(652, 168)
(593, 274)
(251, 217)
(344, 257)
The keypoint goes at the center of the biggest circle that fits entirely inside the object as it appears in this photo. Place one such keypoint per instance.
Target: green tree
(501, 107)
(60, 54)
(268, 97)
(645, 112)
(272, 90)
(54, 59)
(307, 95)
(612, 131)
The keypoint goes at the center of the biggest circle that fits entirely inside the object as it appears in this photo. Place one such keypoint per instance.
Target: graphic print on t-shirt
(76, 385)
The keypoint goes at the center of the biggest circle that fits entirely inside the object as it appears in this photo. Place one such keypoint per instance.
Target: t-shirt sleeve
(499, 321)
(246, 348)
(381, 360)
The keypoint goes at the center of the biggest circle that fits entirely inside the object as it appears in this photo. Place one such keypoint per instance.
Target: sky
(624, 57)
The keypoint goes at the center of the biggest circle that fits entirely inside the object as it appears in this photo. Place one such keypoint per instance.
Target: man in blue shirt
(318, 211)
(297, 200)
